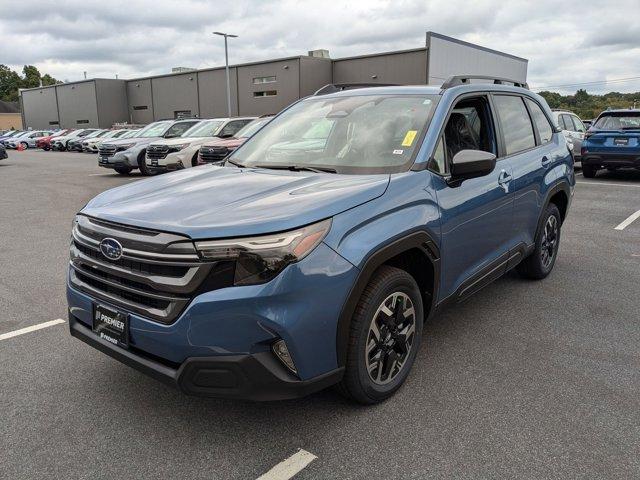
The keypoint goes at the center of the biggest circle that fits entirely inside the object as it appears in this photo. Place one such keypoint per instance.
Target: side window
(566, 123)
(178, 129)
(438, 162)
(577, 123)
(515, 122)
(539, 118)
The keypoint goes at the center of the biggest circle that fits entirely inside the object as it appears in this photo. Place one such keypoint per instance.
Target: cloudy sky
(567, 43)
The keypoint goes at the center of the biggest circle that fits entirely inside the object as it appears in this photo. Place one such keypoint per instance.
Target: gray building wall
(314, 74)
(112, 102)
(408, 67)
(39, 108)
(139, 96)
(77, 103)
(449, 56)
(287, 87)
(212, 92)
(173, 93)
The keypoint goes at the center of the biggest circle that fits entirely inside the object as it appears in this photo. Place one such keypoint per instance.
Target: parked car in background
(587, 123)
(612, 142)
(90, 144)
(60, 143)
(75, 144)
(179, 153)
(27, 139)
(10, 134)
(130, 133)
(45, 142)
(217, 151)
(125, 155)
(274, 277)
(572, 128)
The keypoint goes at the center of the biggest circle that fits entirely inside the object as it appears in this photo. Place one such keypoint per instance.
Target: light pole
(226, 63)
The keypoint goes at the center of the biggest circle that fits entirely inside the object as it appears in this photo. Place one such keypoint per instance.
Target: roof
(9, 107)
(621, 110)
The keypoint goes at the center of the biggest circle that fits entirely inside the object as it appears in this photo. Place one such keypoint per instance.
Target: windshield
(619, 121)
(207, 128)
(251, 128)
(60, 133)
(355, 134)
(154, 129)
(97, 133)
(130, 133)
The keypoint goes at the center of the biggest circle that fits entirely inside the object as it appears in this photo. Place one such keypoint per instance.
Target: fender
(421, 240)
(557, 186)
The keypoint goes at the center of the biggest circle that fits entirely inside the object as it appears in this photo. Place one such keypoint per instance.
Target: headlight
(122, 148)
(177, 148)
(259, 259)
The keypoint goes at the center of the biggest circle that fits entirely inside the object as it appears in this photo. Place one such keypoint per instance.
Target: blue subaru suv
(316, 255)
(612, 142)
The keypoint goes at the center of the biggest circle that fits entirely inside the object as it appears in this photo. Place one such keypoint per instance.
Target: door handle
(504, 179)
(545, 161)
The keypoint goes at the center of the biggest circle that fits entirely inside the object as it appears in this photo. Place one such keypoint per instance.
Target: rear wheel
(589, 171)
(123, 170)
(384, 337)
(541, 261)
(25, 145)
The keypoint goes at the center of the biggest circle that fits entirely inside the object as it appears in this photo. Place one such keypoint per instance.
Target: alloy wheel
(549, 241)
(390, 338)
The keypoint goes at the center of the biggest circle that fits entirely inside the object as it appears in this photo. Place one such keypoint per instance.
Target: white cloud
(566, 43)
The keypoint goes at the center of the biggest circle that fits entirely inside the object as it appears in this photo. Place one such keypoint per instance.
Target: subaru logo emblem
(111, 248)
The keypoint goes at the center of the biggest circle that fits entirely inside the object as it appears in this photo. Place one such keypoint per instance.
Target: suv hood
(182, 140)
(218, 202)
(134, 141)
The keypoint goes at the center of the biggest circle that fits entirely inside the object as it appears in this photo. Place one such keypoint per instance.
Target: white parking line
(628, 221)
(604, 184)
(32, 328)
(289, 467)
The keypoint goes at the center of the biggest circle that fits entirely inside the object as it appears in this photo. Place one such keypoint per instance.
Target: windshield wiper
(297, 168)
(237, 164)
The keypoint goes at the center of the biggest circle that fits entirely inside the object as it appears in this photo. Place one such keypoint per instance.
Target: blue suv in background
(316, 255)
(612, 142)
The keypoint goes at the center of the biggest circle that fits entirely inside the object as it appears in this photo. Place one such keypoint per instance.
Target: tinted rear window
(619, 121)
(515, 122)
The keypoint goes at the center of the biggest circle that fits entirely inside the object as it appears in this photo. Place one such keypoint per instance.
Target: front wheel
(541, 261)
(384, 336)
(123, 170)
(589, 171)
(25, 145)
(142, 165)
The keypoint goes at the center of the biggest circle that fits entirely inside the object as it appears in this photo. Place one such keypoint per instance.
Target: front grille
(213, 154)
(107, 150)
(157, 275)
(157, 152)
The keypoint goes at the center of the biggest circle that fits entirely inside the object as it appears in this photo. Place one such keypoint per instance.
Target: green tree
(9, 84)
(31, 77)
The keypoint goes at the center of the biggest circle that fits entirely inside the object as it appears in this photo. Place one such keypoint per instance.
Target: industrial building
(257, 88)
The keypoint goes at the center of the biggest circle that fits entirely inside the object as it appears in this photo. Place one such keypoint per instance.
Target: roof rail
(339, 87)
(455, 80)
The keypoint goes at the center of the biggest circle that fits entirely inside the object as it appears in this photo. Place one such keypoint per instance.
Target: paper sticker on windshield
(409, 137)
(398, 152)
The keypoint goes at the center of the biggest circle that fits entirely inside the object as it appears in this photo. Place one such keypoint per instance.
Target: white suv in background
(91, 144)
(573, 130)
(182, 152)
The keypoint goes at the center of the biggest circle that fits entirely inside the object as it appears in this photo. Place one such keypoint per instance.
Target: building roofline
(369, 55)
(75, 82)
(471, 45)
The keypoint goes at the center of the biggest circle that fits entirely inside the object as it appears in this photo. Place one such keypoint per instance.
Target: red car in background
(217, 151)
(45, 142)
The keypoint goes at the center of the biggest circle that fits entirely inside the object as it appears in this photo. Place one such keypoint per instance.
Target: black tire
(123, 170)
(142, 165)
(46, 149)
(541, 261)
(194, 160)
(25, 145)
(589, 171)
(389, 287)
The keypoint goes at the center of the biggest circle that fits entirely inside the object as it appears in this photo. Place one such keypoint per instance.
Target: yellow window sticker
(409, 137)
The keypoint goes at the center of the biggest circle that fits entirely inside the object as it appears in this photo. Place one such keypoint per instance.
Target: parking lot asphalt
(524, 380)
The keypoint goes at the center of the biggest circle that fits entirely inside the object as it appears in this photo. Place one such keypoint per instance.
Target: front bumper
(256, 377)
(611, 160)
(173, 161)
(119, 160)
(227, 333)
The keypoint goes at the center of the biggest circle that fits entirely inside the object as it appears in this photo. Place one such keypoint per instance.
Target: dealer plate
(111, 325)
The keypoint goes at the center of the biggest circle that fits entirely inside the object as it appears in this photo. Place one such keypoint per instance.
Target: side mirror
(471, 164)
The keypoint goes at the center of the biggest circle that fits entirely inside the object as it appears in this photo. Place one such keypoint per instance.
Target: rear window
(515, 122)
(619, 121)
(540, 119)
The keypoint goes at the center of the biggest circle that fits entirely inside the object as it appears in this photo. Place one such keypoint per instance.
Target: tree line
(588, 106)
(11, 81)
